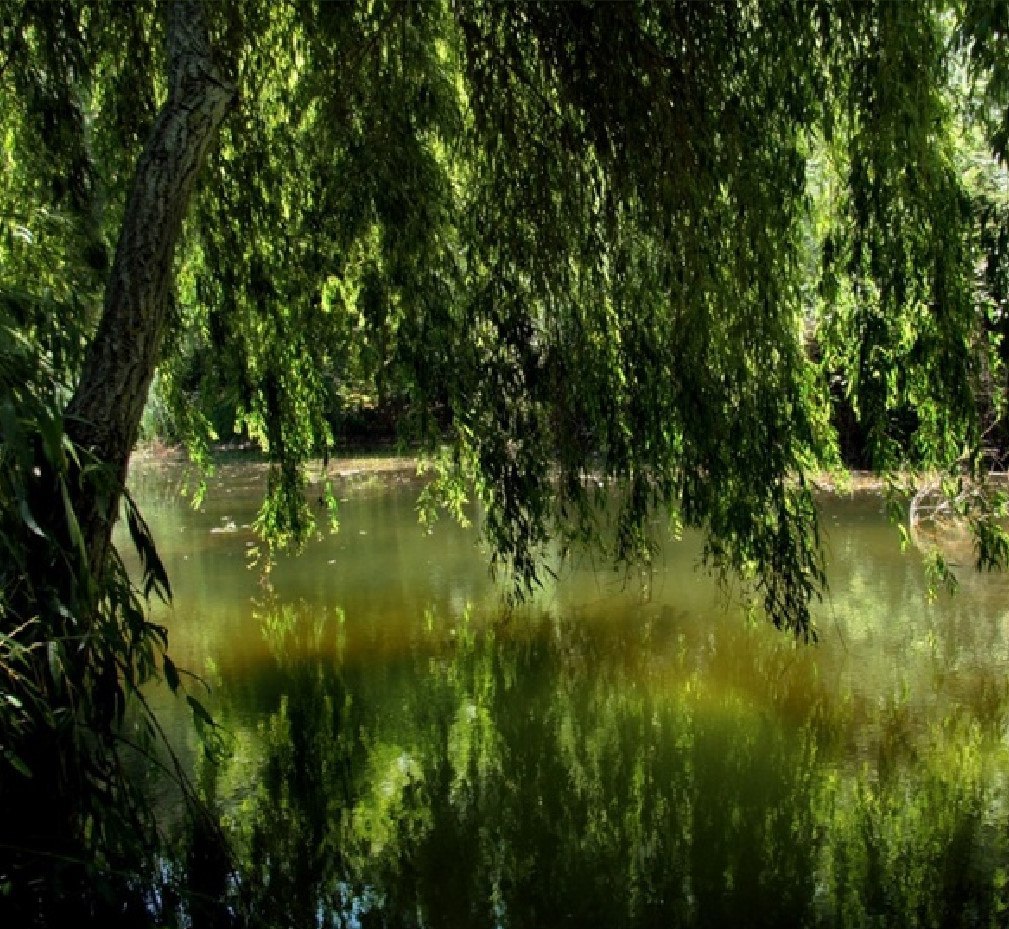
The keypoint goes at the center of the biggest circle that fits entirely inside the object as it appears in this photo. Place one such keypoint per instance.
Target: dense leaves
(584, 245)
(74, 649)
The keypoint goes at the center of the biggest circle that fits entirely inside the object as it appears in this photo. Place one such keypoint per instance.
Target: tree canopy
(643, 245)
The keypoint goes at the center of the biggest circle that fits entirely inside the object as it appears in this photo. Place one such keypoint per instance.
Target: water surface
(625, 750)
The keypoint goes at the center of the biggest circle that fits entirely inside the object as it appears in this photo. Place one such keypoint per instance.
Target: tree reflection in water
(514, 780)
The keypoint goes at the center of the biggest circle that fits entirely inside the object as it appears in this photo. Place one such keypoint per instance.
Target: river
(627, 749)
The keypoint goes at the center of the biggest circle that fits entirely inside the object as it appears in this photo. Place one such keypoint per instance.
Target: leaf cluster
(75, 653)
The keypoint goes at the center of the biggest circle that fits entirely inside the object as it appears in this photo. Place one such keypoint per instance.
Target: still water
(625, 750)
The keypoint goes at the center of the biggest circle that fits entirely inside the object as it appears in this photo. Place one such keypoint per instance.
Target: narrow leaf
(28, 519)
(200, 713)
(171, 674)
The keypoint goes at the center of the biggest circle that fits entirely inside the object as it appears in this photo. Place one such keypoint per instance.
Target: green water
(623, 751)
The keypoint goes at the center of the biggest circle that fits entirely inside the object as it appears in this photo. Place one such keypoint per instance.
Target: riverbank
(387, 459)
(363, 460)
(366, 462)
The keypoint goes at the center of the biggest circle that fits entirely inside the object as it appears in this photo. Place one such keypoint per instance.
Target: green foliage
(904, 245)
(654, 249)
(75, 652)
(632, 253)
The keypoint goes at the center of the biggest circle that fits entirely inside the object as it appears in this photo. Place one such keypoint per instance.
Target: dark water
(623, 751)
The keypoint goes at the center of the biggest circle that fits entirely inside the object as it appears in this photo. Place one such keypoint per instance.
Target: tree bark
(103, 415)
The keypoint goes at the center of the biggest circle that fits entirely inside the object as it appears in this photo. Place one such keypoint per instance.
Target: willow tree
(609, 252)
(577, 236)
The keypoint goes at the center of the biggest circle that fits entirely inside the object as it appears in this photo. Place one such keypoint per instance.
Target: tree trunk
(104, 413)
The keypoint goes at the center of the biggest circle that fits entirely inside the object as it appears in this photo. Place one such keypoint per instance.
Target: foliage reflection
(506, 775)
